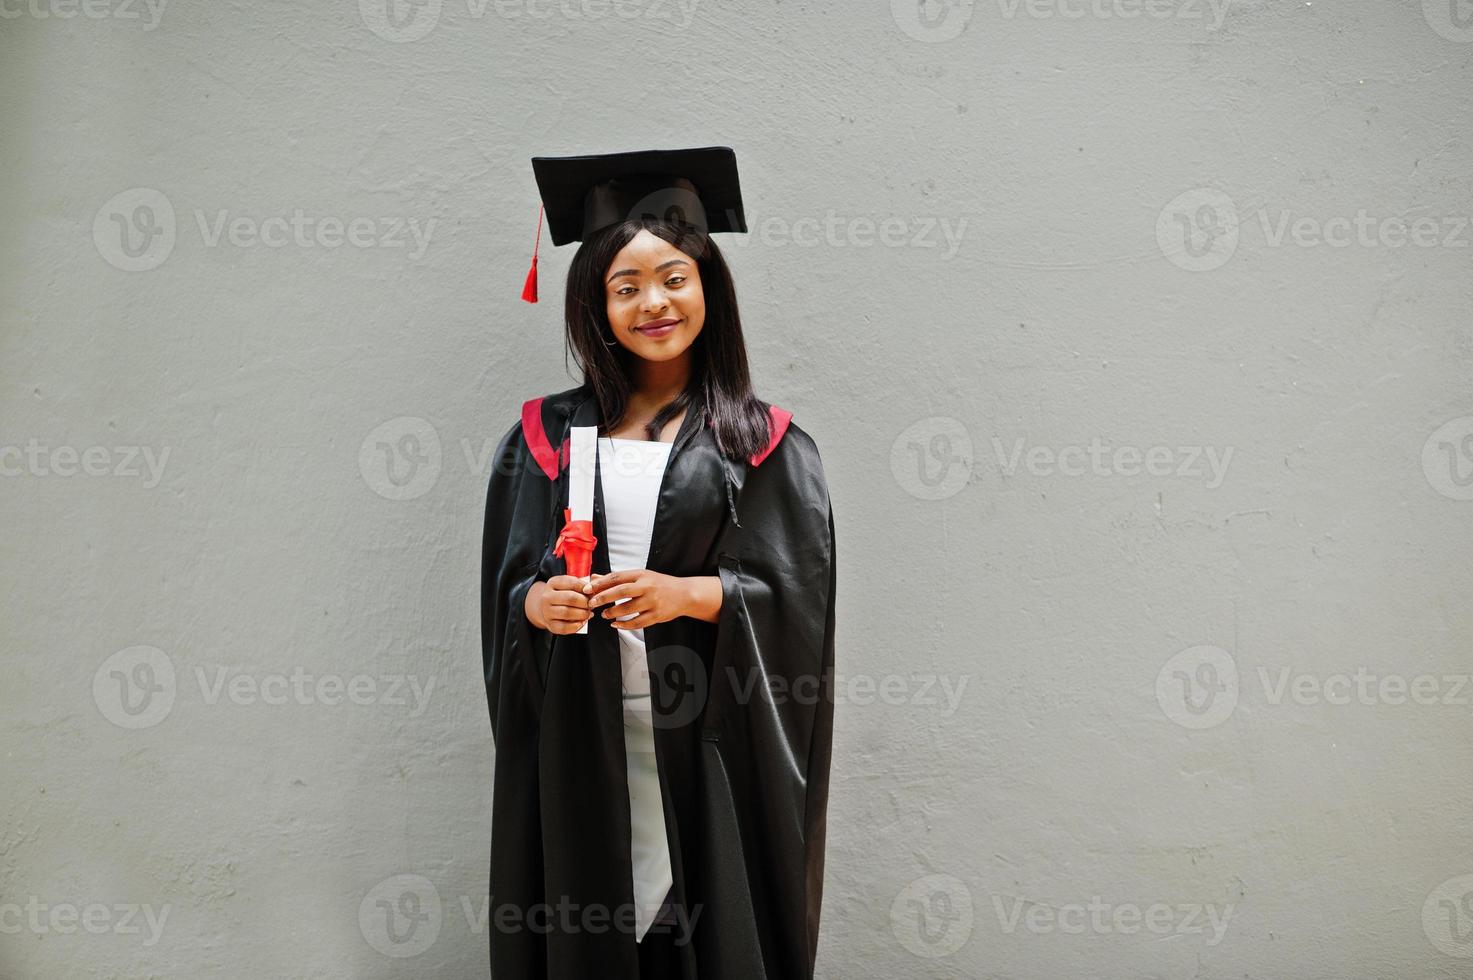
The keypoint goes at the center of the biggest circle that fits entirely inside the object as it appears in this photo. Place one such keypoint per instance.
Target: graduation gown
(743, 711)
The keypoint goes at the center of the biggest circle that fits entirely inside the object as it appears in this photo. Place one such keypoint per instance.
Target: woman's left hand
(655, 596)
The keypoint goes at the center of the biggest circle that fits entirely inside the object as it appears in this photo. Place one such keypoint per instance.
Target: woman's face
(655, 304)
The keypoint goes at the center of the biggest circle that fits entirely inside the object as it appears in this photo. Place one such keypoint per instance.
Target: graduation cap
(581, 195)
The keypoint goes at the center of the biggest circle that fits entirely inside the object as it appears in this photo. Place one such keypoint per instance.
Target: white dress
(630, 473)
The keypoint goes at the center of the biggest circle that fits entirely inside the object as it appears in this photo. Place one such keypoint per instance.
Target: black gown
(743, 712)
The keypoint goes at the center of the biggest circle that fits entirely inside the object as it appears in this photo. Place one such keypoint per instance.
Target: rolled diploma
(582, 458)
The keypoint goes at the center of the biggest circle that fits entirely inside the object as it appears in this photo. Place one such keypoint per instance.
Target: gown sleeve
(513, 548)
(514, 653)
(774, 663)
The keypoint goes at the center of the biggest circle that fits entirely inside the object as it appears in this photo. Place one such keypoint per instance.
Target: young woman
(661, 778)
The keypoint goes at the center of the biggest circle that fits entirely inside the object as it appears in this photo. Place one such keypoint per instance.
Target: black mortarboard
(582, 194)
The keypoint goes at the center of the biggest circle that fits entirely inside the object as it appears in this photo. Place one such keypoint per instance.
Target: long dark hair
(719, 379)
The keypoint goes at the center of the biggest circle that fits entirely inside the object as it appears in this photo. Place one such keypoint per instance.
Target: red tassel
(529, 288)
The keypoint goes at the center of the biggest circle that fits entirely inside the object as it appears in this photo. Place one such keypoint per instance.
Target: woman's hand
(558, 605)
(656, 597)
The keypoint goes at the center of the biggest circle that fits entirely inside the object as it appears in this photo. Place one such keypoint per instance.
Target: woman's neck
(657, 383)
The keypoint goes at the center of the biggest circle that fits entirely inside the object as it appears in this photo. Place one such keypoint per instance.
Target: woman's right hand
(558, 605)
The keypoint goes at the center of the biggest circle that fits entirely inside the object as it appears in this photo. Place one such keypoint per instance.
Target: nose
(653, 300)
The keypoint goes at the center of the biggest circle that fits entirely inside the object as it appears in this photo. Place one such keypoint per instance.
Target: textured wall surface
(1135, 338)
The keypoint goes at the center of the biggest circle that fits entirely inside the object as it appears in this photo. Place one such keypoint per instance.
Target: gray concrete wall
(1134, 337)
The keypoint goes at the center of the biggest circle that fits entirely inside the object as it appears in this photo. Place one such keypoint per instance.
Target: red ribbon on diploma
(576, 542)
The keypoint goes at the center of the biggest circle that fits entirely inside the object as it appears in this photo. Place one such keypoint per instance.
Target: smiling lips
(657, 328)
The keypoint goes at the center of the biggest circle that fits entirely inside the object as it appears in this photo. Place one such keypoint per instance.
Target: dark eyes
(672, 281)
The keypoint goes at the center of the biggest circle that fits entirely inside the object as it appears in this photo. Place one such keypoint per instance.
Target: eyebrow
(635, 272)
